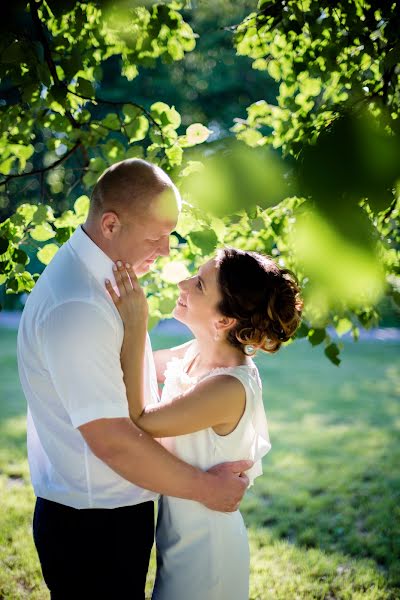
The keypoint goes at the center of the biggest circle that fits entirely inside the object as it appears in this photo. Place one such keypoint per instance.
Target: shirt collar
(96, 261)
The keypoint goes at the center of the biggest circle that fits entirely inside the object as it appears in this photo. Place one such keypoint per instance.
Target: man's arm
(138, 458)
(83, 359)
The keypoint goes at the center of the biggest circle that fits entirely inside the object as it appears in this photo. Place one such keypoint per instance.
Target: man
(95, 474)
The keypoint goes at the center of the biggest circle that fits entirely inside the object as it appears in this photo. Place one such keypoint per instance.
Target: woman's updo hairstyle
(263, 298)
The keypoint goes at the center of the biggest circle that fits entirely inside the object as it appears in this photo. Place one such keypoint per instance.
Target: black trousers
(94, 553)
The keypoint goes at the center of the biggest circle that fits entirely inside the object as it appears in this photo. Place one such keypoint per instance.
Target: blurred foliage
(313, 180)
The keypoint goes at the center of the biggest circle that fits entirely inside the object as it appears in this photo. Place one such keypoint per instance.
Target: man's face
(143, 238)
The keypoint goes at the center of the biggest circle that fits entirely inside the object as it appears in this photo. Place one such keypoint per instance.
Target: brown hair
(263, 298)
(128, 185)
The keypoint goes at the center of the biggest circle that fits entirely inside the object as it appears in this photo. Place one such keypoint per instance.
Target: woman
(211, 408)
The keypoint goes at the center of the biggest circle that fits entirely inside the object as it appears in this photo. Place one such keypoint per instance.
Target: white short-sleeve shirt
(69, 344)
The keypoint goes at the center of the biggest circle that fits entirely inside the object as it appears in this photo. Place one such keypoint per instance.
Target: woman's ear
(110, 224)
(224, 324)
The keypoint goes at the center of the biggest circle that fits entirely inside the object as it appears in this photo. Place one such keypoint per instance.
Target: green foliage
(326, 57)
(28, 225)
(328, 210)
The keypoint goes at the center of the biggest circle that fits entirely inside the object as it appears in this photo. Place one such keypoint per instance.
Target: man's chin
(142, 269)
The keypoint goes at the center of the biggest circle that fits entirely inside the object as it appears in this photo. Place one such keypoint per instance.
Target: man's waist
(93, 498)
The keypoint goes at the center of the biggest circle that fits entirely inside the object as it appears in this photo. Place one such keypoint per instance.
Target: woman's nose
(183, 284)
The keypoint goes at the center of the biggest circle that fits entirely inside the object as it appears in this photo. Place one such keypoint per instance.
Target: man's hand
(227, 486)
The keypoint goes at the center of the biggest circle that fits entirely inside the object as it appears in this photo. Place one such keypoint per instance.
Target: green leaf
(12, 286)
(274, 69)
(43, 213)
(316, 336)
(165, 115)
(20, 257)
(6, 165)
(81, 206)
(204, 240)
(3, 245)
(186, 223)
(46, 253)
(343, 326)
(332, 352)
(197, 134)
(111, 121)
(42, 233)
(137, 129)
(302, 331)
(129, 71)
(5, 266)
(25, 282)
(27, 211)
(85, 87)
(63, 234)
(251, 137)
(174, 155)
(130, 112)
(311, 87)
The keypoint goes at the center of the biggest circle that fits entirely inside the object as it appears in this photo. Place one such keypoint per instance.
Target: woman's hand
(131, 302)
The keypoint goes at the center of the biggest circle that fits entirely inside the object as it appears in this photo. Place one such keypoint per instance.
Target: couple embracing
(102, 445)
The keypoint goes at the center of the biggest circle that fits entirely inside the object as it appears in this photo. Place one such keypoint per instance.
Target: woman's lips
(181, 303)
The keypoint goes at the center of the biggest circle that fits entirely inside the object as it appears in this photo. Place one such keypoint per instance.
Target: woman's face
(198, 299)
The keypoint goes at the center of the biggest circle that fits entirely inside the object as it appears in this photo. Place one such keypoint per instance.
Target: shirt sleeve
(83, 358)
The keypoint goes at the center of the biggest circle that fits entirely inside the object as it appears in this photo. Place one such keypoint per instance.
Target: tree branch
(45, 169)
(48, 56)
(119, 103)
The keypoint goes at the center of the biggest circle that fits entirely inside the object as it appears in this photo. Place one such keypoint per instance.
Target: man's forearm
(135, 456)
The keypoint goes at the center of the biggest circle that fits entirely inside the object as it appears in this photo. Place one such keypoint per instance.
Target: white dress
(204, 554)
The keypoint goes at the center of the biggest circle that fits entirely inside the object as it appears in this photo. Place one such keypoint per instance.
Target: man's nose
(164, 248)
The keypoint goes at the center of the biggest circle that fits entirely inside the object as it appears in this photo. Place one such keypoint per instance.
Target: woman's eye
(198, 284)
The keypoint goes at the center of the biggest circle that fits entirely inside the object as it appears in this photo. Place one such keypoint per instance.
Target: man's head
(133, 209)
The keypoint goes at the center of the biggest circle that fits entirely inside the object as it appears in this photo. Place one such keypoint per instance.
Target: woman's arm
(220, 400)
(162, 357)
(217, 401)
(133, 309)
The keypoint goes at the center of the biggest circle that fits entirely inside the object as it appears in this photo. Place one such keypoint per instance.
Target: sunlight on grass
(324, 518)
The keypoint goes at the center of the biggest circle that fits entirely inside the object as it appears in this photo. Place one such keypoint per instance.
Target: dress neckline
(187, 367)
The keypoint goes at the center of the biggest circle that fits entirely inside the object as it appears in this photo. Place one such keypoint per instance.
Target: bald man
(94, 472)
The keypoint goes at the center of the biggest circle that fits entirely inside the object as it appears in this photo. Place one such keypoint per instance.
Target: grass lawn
(324, 520)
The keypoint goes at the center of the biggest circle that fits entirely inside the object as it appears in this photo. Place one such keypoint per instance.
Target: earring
(249, 350)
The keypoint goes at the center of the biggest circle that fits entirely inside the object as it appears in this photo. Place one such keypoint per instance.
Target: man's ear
(110, 224)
